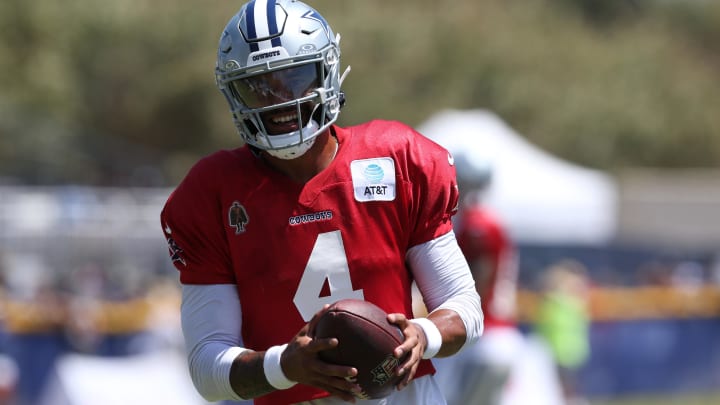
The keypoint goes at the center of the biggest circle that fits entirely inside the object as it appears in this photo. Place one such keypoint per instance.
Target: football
(366, 341)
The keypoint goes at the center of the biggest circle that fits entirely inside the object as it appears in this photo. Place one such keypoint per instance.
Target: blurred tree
(94, 92)
(602, 12)
(123, 93)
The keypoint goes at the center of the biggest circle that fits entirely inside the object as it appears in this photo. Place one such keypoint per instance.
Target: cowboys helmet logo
(238, 217)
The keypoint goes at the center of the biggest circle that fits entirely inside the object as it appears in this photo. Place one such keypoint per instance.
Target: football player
(306, 213)
(481, 375)
(504, 367)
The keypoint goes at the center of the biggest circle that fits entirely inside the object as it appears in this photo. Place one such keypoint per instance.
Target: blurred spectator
(33, 343)
(688, 276)
(87, 285)
(9, 375)
(3, 299)
(654, 272)
(715, 269)
(563, 322)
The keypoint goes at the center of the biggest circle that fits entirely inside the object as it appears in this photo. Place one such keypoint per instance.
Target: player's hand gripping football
(414, 344)
(301, 363)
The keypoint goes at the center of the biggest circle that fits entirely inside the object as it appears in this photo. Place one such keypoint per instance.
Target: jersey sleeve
(434, 189)
(193, 226)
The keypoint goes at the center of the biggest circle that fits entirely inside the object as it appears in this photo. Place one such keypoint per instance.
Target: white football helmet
(278, 66)
(474, 177)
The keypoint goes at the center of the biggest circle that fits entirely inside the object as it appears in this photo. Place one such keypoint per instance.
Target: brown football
(366, 341)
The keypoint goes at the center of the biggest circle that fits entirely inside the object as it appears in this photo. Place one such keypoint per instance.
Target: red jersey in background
(493, 261)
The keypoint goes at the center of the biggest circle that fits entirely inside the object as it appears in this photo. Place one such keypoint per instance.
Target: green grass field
(696, 399)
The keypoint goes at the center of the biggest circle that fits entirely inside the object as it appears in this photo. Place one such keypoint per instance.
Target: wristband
(432, 336)
(273, 370)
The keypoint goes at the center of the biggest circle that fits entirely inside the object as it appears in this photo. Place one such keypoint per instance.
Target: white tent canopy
(541, 198)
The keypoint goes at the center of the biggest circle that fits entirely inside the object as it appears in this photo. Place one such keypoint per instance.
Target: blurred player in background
(480, 374)
(305, 214)
(504, 368)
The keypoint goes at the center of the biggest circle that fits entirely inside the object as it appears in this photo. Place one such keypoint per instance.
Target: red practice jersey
(291, 248)
(493, 261)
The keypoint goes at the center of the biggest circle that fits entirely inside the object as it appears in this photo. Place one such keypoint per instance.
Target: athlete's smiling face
(277, 87)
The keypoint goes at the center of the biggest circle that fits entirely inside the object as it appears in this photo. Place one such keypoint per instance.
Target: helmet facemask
(281, 111)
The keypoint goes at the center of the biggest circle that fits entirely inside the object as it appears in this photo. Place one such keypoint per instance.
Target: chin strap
(347, 69)
(344, 75)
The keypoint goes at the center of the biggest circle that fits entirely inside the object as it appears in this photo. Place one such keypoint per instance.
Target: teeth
(285, 118)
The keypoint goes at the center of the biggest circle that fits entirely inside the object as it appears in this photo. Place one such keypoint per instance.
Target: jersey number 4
(327, 262)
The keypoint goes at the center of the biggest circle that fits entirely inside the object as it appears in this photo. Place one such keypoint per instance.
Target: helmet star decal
(315, 16)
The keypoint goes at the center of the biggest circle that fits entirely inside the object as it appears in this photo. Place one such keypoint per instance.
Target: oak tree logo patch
(238, 217)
